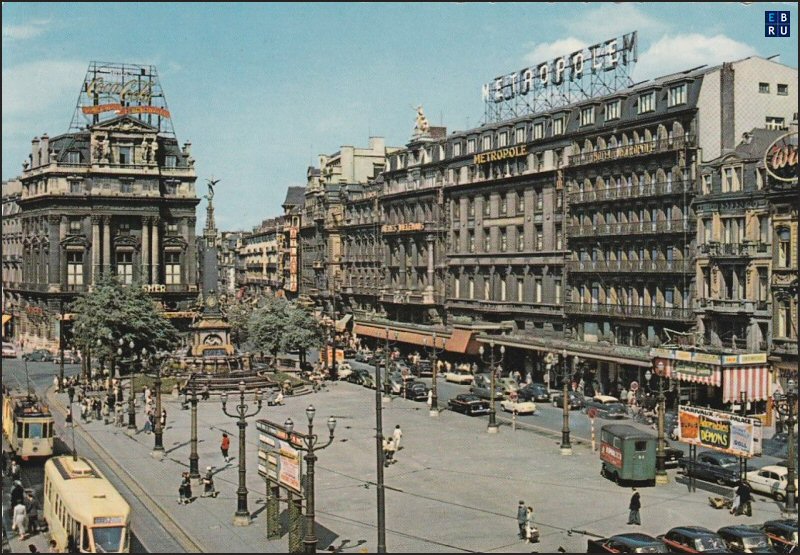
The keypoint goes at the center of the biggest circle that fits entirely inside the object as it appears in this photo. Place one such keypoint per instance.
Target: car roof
(693, 531)
(740, 530)
(635, 539)
(776, 469)
(785, 524)
(467, 396)
(717, 455)
(605, 398)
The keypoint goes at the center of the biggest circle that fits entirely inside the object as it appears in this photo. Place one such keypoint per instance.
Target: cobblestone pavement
(453, 488)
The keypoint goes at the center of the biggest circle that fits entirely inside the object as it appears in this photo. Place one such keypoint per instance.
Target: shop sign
(753, 358)
(34, 311)
(720, 431)
(500, 154)
(611, 454)
(402, 228)
(620, 152)
(781, 158)
(154, 288)
(694, 370)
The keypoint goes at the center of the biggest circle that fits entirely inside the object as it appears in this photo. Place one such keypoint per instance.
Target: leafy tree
(113, 311)
(303, 331)
(268, 325)
(238, 313)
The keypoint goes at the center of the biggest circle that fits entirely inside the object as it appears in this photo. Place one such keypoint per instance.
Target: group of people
(391, 445)
(527, 529)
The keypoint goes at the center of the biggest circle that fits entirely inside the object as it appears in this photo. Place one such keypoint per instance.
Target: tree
(268, 325)
(238, 313)
(112, 310)
(303, 331)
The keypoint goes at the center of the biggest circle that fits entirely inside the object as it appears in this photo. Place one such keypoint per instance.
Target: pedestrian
(119, 416)
(634, 507)
(56, 383)
(522, 518)
(84, 410)
(97, 405)
(68, 418)
(17, 495)
(623, 395)
(71, 393)
(18, 520)
(148, 422)
(430, 399)
(182, 490)
(396, 436)
(32, 509)
(205, 395)
(745, 499)
(531, 533)
(388, 450)
(16, 469)
(208, 484)
(163, 419)
(225, 445)
(33, 549)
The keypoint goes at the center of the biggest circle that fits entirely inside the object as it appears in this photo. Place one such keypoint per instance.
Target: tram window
(107, 538)
(85, 539)
(19, 429)
(35, 430)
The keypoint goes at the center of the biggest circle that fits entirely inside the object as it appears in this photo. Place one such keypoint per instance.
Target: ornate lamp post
(492, 428)
(379, 444)
(194, 467)
(661, 457)
(131, 401)
(566, 446)
(785, 405)
(434, 398)
(242, 516)
(158, 432)
(310, 440)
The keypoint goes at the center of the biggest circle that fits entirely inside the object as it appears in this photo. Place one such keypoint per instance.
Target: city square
(567, 324)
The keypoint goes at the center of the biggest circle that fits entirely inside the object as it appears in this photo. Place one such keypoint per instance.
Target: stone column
(107, 245)
(155, 250)
(95, 249)
(191, 252)
(62, 234)
(54, 276)
(145, 272)
(401, 244)
(429, 239)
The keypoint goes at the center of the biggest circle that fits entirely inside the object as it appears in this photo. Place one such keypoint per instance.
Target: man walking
(225, 445)
(522, 519)
(32, 509)
(634, 507)
(743, 493)
(396, 435)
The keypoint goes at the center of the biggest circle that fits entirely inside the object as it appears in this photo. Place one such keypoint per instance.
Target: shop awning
(6, 318)
(401, 336)
(462, 341)
(370, 331)
(341, 324)
(753, 380)
(522, 343)
(693, 372)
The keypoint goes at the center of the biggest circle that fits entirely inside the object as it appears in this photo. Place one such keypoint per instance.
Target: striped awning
(693, 373)
(753, 380)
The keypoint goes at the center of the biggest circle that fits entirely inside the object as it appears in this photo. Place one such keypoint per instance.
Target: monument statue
(421, 127)
(211, 183)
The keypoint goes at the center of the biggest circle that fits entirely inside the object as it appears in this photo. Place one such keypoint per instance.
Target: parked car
(70, 357)
(39, 355)
(349, 353)
(693, 539)
(9, 351)
(508, 384)
(575, 400)
(459, 376)
(423, 368)
(368, 381)
(520, 407)
(343, 369)
(606, 406)
(745, 539)
(673, 455)
(363, 356)
(482, 389)
(712, 466)
(533, 392)
(393, 384)
(782, 534)
(627, 543)
(469, 404)
(416, 391)
(771, 480)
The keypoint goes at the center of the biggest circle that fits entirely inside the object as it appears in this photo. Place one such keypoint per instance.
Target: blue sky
(261, 89)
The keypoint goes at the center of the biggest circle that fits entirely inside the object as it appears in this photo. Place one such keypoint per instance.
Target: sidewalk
(454, 487)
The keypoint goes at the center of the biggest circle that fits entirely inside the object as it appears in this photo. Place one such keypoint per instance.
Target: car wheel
(615, 477)
(779, 497)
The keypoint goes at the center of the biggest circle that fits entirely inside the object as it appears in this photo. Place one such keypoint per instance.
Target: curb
(175, 529)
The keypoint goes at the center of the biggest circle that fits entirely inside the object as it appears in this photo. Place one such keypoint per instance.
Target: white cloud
(681, 52)
(33, 87)
(27, 31)
(611, 20)
(547, 51)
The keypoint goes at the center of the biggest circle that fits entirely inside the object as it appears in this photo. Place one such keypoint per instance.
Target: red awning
(753, 380)
(462, 341)
(402, 336)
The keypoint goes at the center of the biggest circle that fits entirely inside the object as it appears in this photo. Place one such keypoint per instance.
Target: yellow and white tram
(80, 502)
(28, 425)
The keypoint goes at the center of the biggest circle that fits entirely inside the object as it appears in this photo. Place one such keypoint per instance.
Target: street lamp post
(492, 428)
(661, 456)
(434, 411)
(379, 445)
(158, 432)
(785, 407)
(242, 516)
(194, 467)
(131, 407)
(566, 446)
(310, 441)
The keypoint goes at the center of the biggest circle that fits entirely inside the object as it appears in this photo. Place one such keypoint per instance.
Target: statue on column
(421, 127)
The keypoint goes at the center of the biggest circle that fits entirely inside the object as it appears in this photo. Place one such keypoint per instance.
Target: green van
(628, 454)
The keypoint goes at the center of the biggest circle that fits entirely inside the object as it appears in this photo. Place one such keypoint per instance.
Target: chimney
(44, 149)
(727, 113)
(35, 152)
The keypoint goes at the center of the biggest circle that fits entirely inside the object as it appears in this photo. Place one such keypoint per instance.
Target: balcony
(410, 296)
(626, 266)
(504, 307)
(656, 189)
(736, 250)
(631, 228)
(632, 311)
(632, 150)
(734, 306)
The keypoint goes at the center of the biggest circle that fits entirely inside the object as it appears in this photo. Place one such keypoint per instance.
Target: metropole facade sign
(780, 159)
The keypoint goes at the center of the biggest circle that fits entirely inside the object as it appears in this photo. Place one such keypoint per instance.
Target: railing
(610, 266)
(657, 188)
(632, 311)
(632, 150)
(502, 306)
(721, 250)
(733, 306)
(660, 226)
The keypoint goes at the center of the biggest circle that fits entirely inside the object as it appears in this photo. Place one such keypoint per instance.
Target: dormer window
(613, 110)
(647, 102)
(171, 161)
(73, 157)
(587, 115)
(677, 95)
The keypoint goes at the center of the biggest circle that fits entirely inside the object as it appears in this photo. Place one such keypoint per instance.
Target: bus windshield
(107, 539)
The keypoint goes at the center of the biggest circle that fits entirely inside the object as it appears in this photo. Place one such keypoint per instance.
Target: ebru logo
(776, 24)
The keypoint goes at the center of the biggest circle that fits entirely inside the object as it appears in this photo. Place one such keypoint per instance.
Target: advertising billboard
(721, 431)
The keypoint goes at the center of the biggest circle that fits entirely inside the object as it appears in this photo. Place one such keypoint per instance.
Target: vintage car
(673, 455)
(712, 466)
(534, 392)
(606, 406)
(518, 406)
(745, 539)
(416, 391)
(771, 480)
(575, 400)
(469, 404)
(782, 534)
(39, 355)
(9, 351)
(344, 370)
(627, 543)
(70, 357)
(693, 539)
(423, 368)
(483, 391)
(457, 375)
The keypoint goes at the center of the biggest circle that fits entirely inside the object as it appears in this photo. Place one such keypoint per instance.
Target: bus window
(108, 538)
(35, 430)
(85, 539)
